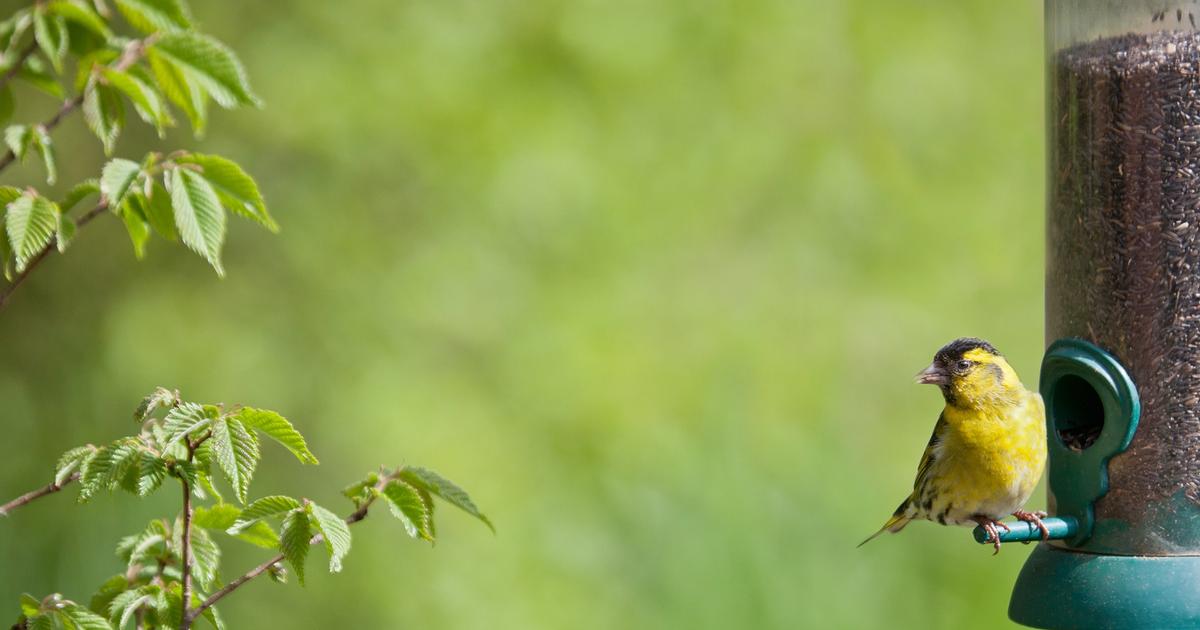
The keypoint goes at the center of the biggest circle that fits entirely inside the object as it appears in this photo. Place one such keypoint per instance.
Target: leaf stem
(236, 583)
(16, 67)
(29, 497)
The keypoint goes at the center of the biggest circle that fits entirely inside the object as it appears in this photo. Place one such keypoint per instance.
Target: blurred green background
(650, 279)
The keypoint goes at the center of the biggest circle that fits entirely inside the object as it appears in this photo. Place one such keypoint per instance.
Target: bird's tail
(899, 519)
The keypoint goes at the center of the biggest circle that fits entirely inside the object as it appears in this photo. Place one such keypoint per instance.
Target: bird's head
(971, 372)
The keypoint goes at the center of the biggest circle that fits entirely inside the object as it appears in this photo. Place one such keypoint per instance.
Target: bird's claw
(993, 534)
(1036, 519)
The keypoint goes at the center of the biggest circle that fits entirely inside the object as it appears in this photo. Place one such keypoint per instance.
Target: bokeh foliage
(652, 278)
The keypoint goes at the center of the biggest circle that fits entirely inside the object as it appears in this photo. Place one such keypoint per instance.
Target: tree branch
(186, 544)
(8, 289)
(29, 497)
(237, 582)
(18, 64)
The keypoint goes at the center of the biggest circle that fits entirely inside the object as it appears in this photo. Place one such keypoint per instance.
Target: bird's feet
(1036, 519)
(990, 526)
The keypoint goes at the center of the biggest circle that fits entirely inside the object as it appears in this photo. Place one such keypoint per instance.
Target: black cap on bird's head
(954, 359)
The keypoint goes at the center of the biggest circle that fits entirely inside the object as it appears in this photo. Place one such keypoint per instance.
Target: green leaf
(151, 472)
(9, 194)
(211, 64)
(207, 557)
(198, 215)
(161, 397)
(123, 607)
(183, 419)
(104, 114)
(135, 224)
(236, 189)
(81, 14)
(83, 618)
(440, 486)
(263, 508)
(65, 233)
(117, 179)
(36, 74)
(107, 467)
(407, 504)
(150, 16)
(187, 95)
(222, 516)
(78, 193)
(18, 138)
(7, 104)
(279, 429)
(294, 537)
(31, 223)
(45, 146)
(159, 213)
(236, 451)
(30, 605)
(72, 461)
(145, 99)
(51, 34)
(109, 589)
(335, 533)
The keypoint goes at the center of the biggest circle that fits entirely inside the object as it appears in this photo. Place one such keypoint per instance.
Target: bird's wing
(928, 457)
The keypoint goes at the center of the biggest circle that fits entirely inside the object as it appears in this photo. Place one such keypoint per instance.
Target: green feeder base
(1065, 589)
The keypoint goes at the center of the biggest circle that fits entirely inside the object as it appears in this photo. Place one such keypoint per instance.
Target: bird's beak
(933, 375)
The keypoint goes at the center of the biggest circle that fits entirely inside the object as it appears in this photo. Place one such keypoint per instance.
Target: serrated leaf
(81, 14)
(263, 508)
(183, 419)
(159, 212)
(150, 16)
(198, 215)
(294, 537)
(30, 605)
(31, 222)
(211, 64)
(207, 556)
(78, 193)
(107, 467)
(187, 472)
(188, 96)
(43, 622)
(36, 74)
(9, 194)
(104, 114)
(279, 429)
(45, 146)
(70, 462)
(151, 472)
(51, 34)
(161, 397)
(236, 452)
(236, 189)
(18, 138)
(65, 233)
(145, 99)
(334, 531)
(222, 516)
(135, 224)
(408, 504)
(109, 590)
(84, 619)
(440, 486)
(117, 179)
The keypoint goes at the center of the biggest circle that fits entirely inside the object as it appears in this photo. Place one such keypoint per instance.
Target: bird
(988, 448)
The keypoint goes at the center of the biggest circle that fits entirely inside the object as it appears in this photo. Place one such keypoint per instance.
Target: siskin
(988, 447)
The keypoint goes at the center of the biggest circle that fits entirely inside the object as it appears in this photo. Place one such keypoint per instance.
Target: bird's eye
(964, 365)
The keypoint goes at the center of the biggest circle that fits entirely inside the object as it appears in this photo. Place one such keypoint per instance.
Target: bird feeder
(1121, 375)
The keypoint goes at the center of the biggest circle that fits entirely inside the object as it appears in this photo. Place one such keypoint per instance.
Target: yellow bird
(988, 448)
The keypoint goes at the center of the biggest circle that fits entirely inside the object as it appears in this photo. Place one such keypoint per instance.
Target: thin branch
(186, 544)
(8, 289)
(237, 582)
(29, 497)
(18, 64)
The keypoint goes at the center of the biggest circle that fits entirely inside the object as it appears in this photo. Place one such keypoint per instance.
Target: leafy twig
(237, 582)
(29, 497)
(8, 290)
